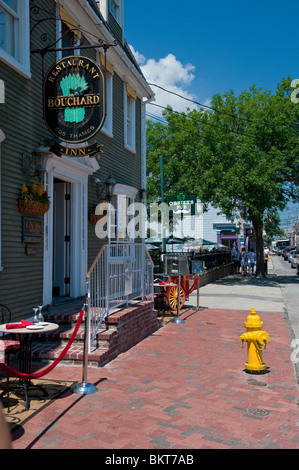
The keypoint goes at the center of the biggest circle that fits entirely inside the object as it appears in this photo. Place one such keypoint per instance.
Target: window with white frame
(114, 7)
(129, 119)
(119, 225)
(15, 34)
(69, 34)
(108, 123)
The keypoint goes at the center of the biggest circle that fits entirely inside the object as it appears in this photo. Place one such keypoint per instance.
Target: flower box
(93, 218)
(33, 208)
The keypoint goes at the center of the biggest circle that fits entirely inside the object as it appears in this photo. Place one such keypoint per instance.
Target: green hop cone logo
(74, 85)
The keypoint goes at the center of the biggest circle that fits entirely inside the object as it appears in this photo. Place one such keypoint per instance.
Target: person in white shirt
(251, 261)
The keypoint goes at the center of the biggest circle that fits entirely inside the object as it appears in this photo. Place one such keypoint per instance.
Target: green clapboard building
(72, 118)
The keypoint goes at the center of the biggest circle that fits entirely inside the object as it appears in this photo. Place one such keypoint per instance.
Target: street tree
(241, 154)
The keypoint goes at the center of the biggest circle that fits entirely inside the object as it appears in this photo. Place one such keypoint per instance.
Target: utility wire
(215, 109)
(201, 121)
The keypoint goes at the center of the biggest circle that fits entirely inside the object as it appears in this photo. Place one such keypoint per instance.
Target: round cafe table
(25, 336)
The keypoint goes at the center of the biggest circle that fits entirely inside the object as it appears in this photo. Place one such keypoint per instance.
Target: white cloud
(171, 74)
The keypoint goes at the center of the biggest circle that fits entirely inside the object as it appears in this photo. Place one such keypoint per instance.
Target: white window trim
(108, 123)
(21, 65)
(130, 194)
(59, 54)
(119, 11)
(131, 148)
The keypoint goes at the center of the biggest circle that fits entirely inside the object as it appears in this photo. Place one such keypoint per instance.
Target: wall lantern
(105, 190)
(35, 163)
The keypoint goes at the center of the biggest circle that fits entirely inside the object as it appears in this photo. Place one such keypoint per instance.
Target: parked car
(292, 258)
(286, 251)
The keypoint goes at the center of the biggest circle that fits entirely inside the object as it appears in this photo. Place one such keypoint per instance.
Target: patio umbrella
(150, 246)
(198, 243)
(153, 240)
(217, 245)
(174, 241)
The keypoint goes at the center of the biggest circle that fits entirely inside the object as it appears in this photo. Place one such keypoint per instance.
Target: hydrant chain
(256, 341)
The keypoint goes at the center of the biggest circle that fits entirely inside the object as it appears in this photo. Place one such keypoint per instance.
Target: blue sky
(199, 48)
(230, 43)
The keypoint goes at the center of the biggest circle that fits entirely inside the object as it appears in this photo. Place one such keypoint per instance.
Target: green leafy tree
(241, 153)
(272, 226)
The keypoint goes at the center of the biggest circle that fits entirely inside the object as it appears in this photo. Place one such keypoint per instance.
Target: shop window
(15, 35)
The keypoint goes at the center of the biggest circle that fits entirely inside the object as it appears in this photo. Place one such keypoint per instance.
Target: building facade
(48, 256)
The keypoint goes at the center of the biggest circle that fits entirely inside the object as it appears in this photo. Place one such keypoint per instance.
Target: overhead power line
(200, 120)
(215, 109)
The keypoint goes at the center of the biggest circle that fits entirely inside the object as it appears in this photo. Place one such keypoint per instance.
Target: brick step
(50, 351)
(122, 330)
(64, 333)
(63, 318)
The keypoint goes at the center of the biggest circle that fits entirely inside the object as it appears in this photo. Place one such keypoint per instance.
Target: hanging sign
(74, 99)
(91, 150)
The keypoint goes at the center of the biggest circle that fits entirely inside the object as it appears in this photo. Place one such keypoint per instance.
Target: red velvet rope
(194, 285)
(14, 373)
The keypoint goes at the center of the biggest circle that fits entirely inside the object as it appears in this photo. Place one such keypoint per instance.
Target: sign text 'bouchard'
(74, 99)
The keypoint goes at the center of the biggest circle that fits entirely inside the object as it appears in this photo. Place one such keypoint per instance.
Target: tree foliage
(241, 154)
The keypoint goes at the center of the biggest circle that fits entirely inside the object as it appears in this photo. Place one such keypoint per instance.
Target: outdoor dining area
(210, 253)
(16, 340)
(177, 269)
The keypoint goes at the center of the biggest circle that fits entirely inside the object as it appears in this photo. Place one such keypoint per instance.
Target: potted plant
(34, 200)
(92, 217)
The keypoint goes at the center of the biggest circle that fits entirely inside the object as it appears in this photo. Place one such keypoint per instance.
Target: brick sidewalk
(184, 387)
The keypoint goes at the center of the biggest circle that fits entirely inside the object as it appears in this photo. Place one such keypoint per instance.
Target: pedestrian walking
(251, 260)
(243, 261)
(236, 260)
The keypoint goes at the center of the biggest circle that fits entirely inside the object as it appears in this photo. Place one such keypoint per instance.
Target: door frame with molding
(76, 172)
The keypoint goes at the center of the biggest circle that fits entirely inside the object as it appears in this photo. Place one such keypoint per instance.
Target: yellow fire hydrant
(256, 341)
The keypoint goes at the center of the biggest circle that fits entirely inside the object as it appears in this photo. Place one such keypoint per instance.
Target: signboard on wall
(182, 203)
(74, 99)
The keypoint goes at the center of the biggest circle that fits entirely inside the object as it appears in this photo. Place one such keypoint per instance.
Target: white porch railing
(119, 274)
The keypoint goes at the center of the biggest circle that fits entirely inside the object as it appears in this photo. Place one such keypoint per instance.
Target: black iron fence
(210, 260)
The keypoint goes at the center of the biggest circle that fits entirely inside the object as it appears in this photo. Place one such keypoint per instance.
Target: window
(129, 118)
(15, 35)
(114, 8)
(119, 229)
(69, 33)
(108, 123)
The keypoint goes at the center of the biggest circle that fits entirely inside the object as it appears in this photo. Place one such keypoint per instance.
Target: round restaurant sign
(74, 99)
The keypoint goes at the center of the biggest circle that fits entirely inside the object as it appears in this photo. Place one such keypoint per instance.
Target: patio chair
(7, 346)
